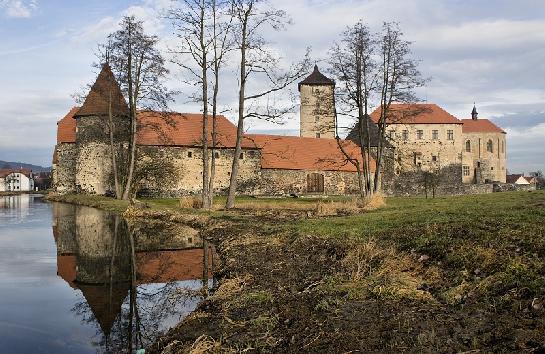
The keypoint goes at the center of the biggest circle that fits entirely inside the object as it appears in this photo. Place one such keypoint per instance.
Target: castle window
(241, 156)
(217, 154)
(468, 146)
(420, 134)
(490, 146)
(466, 170)
(418, 159)
(434, 158)
(405, 135)
(435, 134)
(450, 134)
(318, 135)
(190, 154)
(502, 147)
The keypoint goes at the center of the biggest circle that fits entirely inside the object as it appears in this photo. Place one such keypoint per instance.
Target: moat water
(80, 280)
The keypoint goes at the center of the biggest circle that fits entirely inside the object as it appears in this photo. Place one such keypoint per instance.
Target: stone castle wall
(64, 171)
(184, 166)
(285, 182)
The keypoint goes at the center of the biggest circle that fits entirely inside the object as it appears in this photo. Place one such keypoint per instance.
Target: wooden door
(315, 183)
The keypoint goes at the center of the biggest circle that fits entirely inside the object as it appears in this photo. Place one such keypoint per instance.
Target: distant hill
(34, 168)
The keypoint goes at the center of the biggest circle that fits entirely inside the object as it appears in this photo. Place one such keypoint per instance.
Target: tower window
(420, 134)
(450, 134)
(190, 154)
(435, 134)
(217, 154)
(490, 146)
(468, 146)
(241, 156)
(405, 135)
(434, 158)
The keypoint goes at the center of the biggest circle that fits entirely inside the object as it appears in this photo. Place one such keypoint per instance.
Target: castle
(421, 137)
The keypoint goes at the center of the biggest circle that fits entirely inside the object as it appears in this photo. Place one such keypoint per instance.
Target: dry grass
(385, 273)
(205, 344)
(191, 202)
(351, 206)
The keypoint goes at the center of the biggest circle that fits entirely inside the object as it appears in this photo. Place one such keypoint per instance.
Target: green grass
(485, 246)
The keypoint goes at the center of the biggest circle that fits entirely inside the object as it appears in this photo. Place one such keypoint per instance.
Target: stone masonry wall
(185, 168)
(64, 171)
(285, 182)
(448, 181)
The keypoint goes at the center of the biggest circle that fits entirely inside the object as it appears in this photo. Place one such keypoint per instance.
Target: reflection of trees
(131, 295)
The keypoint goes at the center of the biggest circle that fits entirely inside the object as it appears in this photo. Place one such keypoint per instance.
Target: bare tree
(398, 78)
(140, 70)
(203, 43)
(251, 18)
(353, 65)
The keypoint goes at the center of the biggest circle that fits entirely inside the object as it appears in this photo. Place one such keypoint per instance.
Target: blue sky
(488, 52)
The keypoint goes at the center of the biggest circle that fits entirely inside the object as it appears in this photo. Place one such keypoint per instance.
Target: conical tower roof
(105, 302)
(105, 90)
(316, 78)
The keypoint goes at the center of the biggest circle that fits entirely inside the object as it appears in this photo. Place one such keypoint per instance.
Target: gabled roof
(514, 178)
(7, 171)
(417, 113)
(316, 78)
(184, 129)
(105, 90)
(480, 126)
(66, 127)
(298, 153)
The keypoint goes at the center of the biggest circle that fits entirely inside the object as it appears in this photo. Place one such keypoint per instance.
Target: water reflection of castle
(94, 255)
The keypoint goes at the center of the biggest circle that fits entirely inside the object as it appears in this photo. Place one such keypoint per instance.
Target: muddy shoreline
(439, 287)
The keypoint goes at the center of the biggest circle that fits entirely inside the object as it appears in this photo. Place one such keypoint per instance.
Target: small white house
(16, 180)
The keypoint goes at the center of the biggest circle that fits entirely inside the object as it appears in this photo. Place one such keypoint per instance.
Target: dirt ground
(282, 290)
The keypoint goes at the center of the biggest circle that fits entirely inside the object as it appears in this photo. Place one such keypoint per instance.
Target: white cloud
(19, 8)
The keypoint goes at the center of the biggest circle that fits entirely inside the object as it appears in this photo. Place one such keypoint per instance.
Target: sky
(488, 52)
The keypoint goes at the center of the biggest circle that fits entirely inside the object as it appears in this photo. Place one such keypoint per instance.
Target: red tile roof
(66, 127)
(105, 90)
(296, 153)
(480, 126)
(420, 113)
(185, 129)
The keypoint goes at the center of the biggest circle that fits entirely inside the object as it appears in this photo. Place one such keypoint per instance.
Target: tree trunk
(240, 126)
(205, 157)
(112, 150)
(132, 115)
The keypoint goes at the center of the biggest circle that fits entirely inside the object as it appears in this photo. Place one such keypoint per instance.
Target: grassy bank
(449, 274)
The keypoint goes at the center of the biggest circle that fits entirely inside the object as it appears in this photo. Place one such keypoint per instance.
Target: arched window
(490, 146)
(468, 146)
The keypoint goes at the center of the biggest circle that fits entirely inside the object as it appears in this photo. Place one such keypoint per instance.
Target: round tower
(317, 106)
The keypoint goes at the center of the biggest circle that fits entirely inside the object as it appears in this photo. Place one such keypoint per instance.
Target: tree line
(371, 69)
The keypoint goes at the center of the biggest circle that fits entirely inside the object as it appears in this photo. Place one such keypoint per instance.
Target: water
(67, 285)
